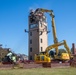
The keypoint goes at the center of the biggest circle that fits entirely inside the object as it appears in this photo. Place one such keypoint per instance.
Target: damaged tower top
(36, 16)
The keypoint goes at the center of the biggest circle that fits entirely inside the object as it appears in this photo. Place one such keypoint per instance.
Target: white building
(37, 33)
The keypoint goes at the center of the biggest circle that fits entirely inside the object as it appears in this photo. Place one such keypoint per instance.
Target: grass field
(40, 71)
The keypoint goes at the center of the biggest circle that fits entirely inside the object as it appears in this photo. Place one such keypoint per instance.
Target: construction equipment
(53, 25)
(44, 57)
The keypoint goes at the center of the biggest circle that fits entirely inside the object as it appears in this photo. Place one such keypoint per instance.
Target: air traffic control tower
(38, 40)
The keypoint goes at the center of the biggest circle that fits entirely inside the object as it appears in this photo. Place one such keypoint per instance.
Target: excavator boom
(57, 45)
(53, 25)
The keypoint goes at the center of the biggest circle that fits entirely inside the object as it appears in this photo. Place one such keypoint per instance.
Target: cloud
(34, 6)
(46, 5)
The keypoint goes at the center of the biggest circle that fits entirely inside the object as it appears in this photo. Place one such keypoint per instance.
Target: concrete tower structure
(37, 33)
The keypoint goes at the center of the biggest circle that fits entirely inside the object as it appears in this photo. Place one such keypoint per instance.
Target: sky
(14, 19)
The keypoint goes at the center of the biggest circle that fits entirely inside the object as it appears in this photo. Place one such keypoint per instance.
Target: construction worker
(14, 60)
(9, 56)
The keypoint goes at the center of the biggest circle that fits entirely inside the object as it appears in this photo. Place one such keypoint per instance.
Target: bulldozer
(44, 57)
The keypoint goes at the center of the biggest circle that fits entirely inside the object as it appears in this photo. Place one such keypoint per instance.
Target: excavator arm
(53, 22)
(53, 25)
(56, 46)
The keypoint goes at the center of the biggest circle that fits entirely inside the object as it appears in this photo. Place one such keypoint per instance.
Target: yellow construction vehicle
(44, 57)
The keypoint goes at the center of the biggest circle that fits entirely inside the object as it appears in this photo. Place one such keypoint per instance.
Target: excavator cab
(62, 57)
(42, 58)
(65, 56)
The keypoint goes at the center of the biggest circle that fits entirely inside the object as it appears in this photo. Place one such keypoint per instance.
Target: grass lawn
(40, 71)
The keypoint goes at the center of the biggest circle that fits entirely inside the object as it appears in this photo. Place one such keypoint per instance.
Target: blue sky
(14, 19)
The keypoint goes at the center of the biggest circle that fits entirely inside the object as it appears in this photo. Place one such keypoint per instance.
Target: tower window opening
(41, 49)
(30, 33)
(31, 49)
(41, 40)
(30, 41)
(30, 57)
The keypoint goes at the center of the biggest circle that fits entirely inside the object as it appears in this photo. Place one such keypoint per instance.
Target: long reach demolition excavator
(44, 57)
